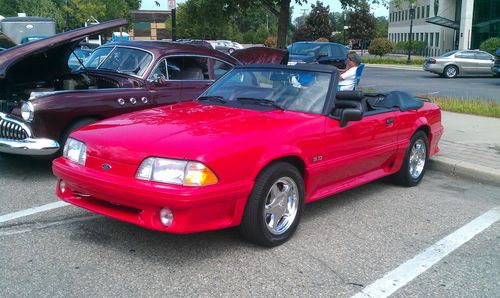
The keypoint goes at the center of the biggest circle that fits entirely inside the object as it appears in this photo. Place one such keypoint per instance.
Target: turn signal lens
(198, 174)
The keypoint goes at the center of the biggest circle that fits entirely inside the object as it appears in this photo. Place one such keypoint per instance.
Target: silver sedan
(466, 62)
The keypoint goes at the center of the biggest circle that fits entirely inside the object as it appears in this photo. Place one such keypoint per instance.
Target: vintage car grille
(11, 130)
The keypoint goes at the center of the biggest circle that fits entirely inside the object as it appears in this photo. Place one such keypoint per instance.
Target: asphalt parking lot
(344, 244)
(419, 82)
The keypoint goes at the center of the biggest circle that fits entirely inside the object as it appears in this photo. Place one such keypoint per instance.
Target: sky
(297, 9)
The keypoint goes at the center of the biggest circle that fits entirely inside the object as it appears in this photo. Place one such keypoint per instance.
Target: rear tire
(450, 71)
(275, 205)
(415, 161)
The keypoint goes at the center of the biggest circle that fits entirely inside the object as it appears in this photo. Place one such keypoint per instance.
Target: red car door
(361, 147)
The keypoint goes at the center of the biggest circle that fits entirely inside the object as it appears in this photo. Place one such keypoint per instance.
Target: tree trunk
(283, 20)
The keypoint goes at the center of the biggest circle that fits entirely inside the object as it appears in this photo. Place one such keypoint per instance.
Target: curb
(465, 170)
(395, 66)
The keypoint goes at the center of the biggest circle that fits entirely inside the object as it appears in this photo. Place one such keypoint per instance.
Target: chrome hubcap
(417, 159)
(451, 71)
(281, 206)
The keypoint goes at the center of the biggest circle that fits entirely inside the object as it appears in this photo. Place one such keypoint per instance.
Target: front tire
(415, 161)
(275, 205)
(450, 71)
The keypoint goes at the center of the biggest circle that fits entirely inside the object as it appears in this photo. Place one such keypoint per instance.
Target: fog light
(166, 216)
(62, 186)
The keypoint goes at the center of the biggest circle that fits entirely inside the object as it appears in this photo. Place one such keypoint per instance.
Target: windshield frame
(329, 96)
(114, 47)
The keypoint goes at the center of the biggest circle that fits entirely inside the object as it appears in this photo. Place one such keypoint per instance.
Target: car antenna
(80, 61)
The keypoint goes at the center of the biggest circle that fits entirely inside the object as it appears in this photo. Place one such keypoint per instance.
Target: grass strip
(399, 61)
(488, 108)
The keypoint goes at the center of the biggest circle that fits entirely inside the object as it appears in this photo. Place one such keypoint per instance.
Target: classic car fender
(68, 106)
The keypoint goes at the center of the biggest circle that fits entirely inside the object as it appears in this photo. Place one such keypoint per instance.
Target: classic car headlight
(181, 172)
(75, 150)
(27, 111)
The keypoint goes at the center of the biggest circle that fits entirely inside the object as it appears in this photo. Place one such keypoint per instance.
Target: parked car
(455, 63)
(78, 57)
(258, 144)
(2, 49)
(42, 101)
(318, 52)
(227, 46)
(496, 66)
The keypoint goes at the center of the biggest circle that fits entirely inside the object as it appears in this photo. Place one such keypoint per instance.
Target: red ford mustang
(250, 152)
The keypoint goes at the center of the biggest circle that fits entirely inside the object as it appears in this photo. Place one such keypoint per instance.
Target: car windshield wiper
(260, 101)
(212, 98)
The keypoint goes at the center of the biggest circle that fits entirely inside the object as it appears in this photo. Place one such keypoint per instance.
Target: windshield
(297, 90)
(120, 59)
(303, 49)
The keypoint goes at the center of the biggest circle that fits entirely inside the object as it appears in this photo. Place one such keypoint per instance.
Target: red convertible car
(250, 152)
(42, 100)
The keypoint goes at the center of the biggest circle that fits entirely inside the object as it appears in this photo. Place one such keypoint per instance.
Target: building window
(437, 39)
(418, 13)
(422, 36)
(431, 41)
(426, 38)
(427, 11)
(406, 14)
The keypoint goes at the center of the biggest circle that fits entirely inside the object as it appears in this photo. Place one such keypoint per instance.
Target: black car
(496, 67)
(318, 52)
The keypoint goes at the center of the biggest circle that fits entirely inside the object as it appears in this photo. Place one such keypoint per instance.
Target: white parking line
(31, 211)
(406, 272)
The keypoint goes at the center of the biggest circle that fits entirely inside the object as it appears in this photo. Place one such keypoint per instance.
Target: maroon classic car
(42, 100)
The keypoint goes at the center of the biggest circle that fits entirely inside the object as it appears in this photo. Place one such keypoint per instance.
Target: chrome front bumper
(16, 138)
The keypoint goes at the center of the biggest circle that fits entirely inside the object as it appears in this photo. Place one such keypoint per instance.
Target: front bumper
(139, 202)
(16, 138)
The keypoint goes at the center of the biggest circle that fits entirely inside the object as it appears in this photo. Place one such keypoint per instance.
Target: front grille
(11, 130)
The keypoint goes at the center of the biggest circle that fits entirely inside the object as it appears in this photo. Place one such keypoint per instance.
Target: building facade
(446, 25)
(149, 25)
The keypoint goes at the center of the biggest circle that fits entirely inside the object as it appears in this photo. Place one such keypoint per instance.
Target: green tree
(8, 8)
(382, 27)
(318, 22)
(380, 46)
(361, 22)
(490, 45)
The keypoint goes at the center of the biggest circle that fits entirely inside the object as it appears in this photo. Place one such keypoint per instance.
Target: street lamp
(412, 16)
(345, 27)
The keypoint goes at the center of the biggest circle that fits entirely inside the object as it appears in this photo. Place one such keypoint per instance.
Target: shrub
(271, 41)
(417, 46)
(380, 47)
(322, 39)
(490, 45)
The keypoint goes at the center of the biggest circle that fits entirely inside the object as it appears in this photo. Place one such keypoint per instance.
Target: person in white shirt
(347, 80)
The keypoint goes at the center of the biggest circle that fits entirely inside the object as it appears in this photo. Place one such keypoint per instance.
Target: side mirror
(350, 114)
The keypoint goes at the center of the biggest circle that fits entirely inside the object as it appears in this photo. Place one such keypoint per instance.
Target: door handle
(389, 122)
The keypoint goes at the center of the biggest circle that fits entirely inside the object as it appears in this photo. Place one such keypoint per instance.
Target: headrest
(350, 95)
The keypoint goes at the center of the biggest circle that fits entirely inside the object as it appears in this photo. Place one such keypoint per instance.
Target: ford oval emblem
(106, 166)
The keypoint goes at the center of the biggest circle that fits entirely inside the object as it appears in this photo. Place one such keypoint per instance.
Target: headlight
(181, 172)
(75, 150)
(27, 111)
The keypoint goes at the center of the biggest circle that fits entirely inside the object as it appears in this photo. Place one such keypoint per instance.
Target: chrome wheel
(281, 205)
(451, 71)
(418, 156)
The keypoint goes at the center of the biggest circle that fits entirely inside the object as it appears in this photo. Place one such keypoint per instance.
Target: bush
(271, 41)
(417, 46)
(322, 39)
(402, 60)
(490, 45)
(380, 47)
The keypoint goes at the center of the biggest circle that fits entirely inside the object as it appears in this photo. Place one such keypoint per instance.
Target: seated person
(350, 63)
(347, 80)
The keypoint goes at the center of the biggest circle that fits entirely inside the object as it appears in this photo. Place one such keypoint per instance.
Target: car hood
(261, 55)
(46, 58)
(181, 129)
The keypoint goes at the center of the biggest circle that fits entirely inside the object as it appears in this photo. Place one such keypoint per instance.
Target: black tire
(450, 71)
(72, 127)
(254, 226)
(404, 176)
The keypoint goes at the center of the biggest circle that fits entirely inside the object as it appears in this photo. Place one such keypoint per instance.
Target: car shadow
(12, 166)
(156, 247)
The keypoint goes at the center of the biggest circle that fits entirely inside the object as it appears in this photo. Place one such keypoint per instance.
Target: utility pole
(67, 15)
(172, 6)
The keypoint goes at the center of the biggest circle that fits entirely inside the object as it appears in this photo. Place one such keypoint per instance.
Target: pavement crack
(26, 227)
